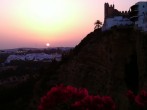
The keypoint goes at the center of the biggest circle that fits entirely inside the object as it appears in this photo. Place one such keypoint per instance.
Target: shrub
(61, 95)
(70, 98)
(95, 103)
(139, 100)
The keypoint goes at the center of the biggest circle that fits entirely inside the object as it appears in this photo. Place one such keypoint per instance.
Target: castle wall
(141, 23)
(110, 11)
(113, 17)
(111, 14)
(115, 21)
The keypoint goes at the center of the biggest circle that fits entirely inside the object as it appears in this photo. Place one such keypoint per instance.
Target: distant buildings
(116, 21)
(34, 57)
(136, 16)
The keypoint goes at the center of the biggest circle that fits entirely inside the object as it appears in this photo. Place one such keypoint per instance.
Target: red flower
(95, 103)
(70, 97)
(40, 107)
(130, 95)
(60, 95)
(141, 99)
(108, 103)
(138, 101)
(81, 93)
(84, 104)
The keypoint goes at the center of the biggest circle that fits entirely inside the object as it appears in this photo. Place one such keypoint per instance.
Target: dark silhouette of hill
(108, 63)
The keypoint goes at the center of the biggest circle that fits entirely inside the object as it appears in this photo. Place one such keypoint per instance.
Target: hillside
(108, 63)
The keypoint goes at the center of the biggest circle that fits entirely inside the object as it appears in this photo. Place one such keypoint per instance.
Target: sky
(60, 23)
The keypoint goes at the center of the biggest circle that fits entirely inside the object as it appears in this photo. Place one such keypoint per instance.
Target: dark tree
(97, 24)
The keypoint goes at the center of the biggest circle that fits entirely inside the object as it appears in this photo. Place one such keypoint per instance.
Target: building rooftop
(141, 2)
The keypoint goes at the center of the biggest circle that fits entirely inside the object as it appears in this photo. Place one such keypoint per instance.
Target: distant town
(32, 54)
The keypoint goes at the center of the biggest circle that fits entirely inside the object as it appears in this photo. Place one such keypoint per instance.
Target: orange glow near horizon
(33, 23)
(46, 16)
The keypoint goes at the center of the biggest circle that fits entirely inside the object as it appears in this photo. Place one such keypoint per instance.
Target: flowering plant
(70, 98)
(140, 100)
(95, 103)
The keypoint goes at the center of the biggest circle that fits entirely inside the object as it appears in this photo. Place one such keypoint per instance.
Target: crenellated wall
(110, 11)
(113, 17)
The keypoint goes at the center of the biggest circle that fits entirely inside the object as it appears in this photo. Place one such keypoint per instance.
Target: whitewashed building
(116, 21)
(139, 15)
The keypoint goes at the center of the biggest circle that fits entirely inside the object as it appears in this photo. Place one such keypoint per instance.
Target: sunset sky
(34, 23)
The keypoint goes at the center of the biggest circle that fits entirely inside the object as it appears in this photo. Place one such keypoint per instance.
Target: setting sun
(47, 44)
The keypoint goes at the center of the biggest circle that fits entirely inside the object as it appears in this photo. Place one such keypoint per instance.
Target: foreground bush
(70, 98)
(95, 103)
(139, 100)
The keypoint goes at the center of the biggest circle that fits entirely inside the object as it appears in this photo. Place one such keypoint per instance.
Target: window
(143, 13)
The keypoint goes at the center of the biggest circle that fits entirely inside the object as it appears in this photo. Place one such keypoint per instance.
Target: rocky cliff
(109, 63)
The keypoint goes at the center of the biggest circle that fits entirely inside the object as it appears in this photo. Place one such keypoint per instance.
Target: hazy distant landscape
(21, 68)
(28, 54)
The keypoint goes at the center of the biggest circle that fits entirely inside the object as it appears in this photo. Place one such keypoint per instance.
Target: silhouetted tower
(106, 10)
(109, 10)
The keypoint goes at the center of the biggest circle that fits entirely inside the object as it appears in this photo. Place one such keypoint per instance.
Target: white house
(116, 21)
(139, 15)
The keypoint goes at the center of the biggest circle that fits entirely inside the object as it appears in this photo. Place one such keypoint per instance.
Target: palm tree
(97, 24)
